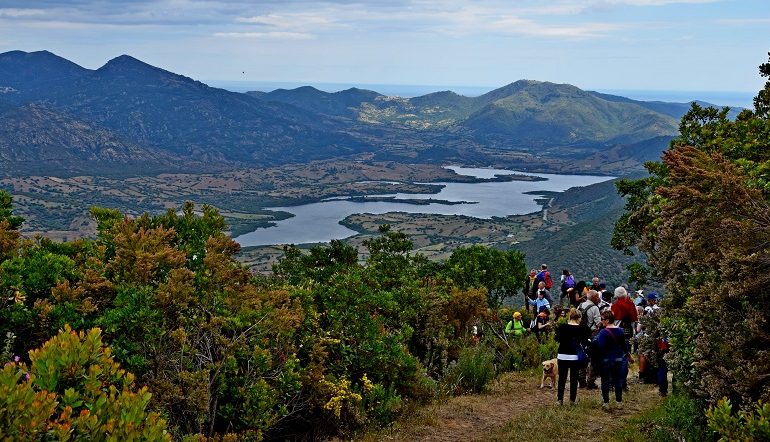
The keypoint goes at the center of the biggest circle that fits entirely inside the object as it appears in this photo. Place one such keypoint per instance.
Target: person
(639, 298)
(591, 320)
(576, 294)
(515, 326)
(595, 283)
(542, 290)
(530, 288)
(662, 347)
(652, 303)
(540, 302)
(567, 282)
(625, 315)
(611, 346)
(571, 337)
(544, 276)
(605, 294)
(590, 311)
(542, 323)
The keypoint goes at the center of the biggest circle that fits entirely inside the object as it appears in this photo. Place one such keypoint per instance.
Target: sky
(658, 45)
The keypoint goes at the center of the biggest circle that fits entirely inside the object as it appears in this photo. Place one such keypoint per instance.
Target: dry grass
(516, 409)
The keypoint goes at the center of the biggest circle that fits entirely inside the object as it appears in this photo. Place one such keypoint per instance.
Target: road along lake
(319, 222)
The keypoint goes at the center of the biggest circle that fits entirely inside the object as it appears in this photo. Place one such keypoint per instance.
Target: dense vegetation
(325, 346)
(702, 218)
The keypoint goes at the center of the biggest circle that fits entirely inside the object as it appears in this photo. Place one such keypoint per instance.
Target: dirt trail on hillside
(514, 405)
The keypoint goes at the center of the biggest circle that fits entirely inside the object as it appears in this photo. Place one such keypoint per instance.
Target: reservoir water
(319, 222)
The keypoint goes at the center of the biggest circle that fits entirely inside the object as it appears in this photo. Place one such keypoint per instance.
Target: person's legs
(574, 376)
(605, 376)
(617, 369)
(563, 367)
(624, 373)
(662, 377)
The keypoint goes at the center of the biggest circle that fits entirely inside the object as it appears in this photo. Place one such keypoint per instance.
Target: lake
(319, 222)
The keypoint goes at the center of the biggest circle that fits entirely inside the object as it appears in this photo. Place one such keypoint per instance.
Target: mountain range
(58, 117)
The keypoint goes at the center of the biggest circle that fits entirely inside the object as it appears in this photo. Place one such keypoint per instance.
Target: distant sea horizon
(722, 98)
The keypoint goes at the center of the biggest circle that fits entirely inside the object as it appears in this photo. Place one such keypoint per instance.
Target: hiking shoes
(606, 406)
(619, 405)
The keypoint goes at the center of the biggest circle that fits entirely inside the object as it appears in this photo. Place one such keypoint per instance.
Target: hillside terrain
(148, 120)
(136, 137)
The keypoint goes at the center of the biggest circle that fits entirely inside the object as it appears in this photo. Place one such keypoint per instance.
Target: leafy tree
(502, 273)
(703, 220)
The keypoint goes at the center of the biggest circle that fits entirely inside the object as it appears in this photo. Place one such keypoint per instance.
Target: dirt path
(514, 408)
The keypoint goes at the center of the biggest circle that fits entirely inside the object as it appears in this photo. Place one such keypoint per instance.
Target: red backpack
(548, 280)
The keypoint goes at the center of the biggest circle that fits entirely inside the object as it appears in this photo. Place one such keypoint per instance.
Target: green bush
(678, 418)
(752, 425)
(74, 390)
(524, 352)
(473, 371)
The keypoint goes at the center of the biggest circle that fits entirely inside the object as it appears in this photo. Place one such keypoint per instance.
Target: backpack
(548, 281)
(569, 281)
(584, 317)
(628, 328)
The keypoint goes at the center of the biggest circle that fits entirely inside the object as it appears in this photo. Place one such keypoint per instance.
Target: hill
(129, 112)
(162, 111)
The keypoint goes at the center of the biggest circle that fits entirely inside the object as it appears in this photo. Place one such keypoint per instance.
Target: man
(591, 318)
(541, 302)
(544, 276)
(652, 303)
(625, 315)
(541, 289)
(596, 284)
(605, 294)
(530, 288)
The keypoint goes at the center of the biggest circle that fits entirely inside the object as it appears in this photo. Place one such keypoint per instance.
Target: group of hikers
(599, 335)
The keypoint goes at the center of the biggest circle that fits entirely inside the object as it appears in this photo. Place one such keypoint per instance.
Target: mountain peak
(128, 68)
(123, 62)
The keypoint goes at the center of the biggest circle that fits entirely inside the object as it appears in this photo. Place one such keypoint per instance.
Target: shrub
(678, 418)
(74, 390)
(751, 425)
(472, 372)
(524, 352)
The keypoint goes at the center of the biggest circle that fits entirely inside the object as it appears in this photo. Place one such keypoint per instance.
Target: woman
(611, 346)
(570, 337)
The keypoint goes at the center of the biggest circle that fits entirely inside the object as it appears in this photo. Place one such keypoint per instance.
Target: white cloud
(288, 20)
(743, 21)
(20, 12)
(273, 35)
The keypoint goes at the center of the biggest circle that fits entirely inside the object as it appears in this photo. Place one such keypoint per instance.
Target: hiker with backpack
(544, 276)
(591, 321)
(515, 326)
(624, 313)
(612, 347)
(567, 282)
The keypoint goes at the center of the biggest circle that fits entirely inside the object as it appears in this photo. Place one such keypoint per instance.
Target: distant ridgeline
(60, 118)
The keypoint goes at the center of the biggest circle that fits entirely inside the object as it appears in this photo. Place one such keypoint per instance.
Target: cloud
(20, 12)
(743, 21)
(273, 35)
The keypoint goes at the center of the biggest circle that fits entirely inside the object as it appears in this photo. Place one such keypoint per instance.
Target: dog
(550, 368)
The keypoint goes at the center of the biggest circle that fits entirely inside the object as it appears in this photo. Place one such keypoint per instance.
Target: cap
(516, 315)
(652, 295)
